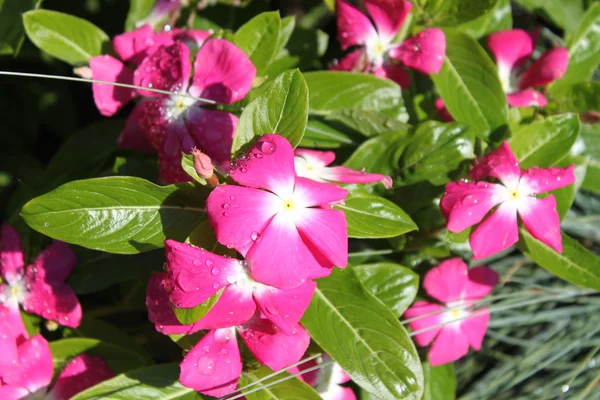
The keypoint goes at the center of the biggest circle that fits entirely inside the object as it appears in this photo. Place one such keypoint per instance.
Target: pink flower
(512, 49)
(82, 372)
(171, 124)
(327, 380)
(281, 223)
(457, 288)
(213, 366)
(313, 164)
(376, 52)
(466, 203)
(39, 287)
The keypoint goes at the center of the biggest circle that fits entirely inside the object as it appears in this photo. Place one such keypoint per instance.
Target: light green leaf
(292, 389)
(575, 264)
(545, 143)
(375, 217)
(364, 337)
(379, 154)
(321, 135)
(259, 39)
(187, 163)
(590, 134)
(470, 87)
(282, 109)
(190, 315)
(440, 382)
(577, 97)
(121, 215)
(455, 12)
(496, 19)
(368, 123)
(68, 38)
(565, 13)
(138, 10)
(395, 285)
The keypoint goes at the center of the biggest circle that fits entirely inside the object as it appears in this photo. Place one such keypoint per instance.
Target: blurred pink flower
(327, 380)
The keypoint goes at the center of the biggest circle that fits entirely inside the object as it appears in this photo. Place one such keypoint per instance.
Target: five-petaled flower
(512, 49)
(39, 287)
(466, 203)
(377, 53)
(281, 223)
(452, 327)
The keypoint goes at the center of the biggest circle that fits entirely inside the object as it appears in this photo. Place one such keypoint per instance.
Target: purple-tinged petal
(131, 46)
(443, 112)
(152, 119)
(171, 171)
(388, 15)
(423, 52)
(110, 98)
(34, 370)
(526, 98)
(481, 282)
(222, 72)
(348, 175)
(272, 347)
(393, 72)
(212, 131)
(54, 301)
(354, 61)
(541, 220)
(450, 345)
(500, 163)
(435, 317)
(235, 307)
(53, 264)
(239, 214)
(82, 372)
(315, 157)
(214, 365)
(134, 135)
(309, 193)
(498, 232)
(447, 281)
(9, 332)
(354, 27)
(475, 327)
(511, 48)
(541, 180)
(193, 38)
(167, 68)
(551, 66)
(11, 253)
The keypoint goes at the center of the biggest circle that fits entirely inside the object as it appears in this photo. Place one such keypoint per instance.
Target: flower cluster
(170, 124)
(375, 50)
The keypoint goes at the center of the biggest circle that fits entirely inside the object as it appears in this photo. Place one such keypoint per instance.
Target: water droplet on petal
(254, 236)
(214, 271)
(231, 197)
(225, 206)
(197, 262)
(208, 262)
(226, 214)
(268, 147)
(215, 285)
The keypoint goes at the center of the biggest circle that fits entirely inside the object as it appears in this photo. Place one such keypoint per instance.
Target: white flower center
(177, 106)
(376, 48)
(307, 170)
(508, 79)
(457, 311)
(15, 291)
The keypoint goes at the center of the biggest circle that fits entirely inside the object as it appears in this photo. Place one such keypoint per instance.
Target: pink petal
(474, 327)
(347, 175)
(447, 281)
(450, 345)
(268, 165)
(132, 46)
(212, 131)
(327, 231)
(541, 180)
(388, 15)
(423, 52)
(338, 375)
(500, 163)
(82, 372)
(541, 220)
(551, 66)
(354, 27)
(53, 264)
(316, 157)
(272, 347)
(110, 98)
(527, 98)
(337, 392)
(285, 307)
(393, 72)
(133, 135)
(309, 193)
(213, 365)
(480, 283)
(11, 252)
(498, 232)
(238, 214)
(419, 309)
(8, 339)
(354, 61)
(167, 68)
(443, 112)
(160, 312)
(466, 203)
(235, 307)
(54, 301)
(13, 393)
(192, 37)
(152, 119)
(171, 171)
(222, 72)
(511, 48)
(194, 275)
(35, 367)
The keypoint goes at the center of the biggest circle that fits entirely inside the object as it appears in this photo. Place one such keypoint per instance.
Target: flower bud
(204, 167)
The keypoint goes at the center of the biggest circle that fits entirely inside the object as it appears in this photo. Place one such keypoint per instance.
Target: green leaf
(545, 143)
(321, 135)
(566, 14)
(368, 123)
(292, 389)
(576, 264)
(138, 10)
(496, 19)
(68, 38)
(121, 215)
(440, 382)
(364, 337)
(11, 28)
(379, 154)
(158, 382)
(373, 217)
(435, 150)
(259, 39)
(577, 97)
(470, 87)
(190, 315)
(187, 163)
(335, 90)
(395, 285)
(454, 12)
(282, 109)
(591, 152)
(118, 358)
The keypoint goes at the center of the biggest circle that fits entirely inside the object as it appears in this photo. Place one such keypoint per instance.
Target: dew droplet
(197, 262)
(214, 271)
(208, 262)
(231, 197)
(225, 206)
(215, 285)
(254, 236)
(268, 147)
(226, 214)
(258, 155)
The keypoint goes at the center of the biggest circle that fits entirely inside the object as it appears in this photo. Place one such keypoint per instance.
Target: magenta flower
(313, 164)
(512, 50)
(457, 287)
(466, 203)
(40, 287)
(81, 373)
(171, 124)
(376, 52)
(275, 212)
(213, 366)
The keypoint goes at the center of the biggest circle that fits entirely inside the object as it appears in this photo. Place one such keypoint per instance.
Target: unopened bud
(51, 326)
(590, 117)
(204, 167)
(84, 72)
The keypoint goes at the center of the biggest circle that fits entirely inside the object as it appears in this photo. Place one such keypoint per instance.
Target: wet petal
(511, 48)
(450, 345)
(9, 332)
(422, 323)
(354, 27)
(212, 131)
(309, 193)
(35, 367)
(11, 252)
(527, 98)
(82, 372)
(152, 118)
(423, 52)
(551, 66)
(354, 61)
(475, 327)
(393, 72)
(171, 170)
(388, 15)
(167, 68)
(110, 98)
(500, 163)
(348, 175)
(447, 281)
(54, 301)
(498, 232)
(541, 220)
(315, 157)
(53, 264)
(133, 135)
(235, 307)
(132, 46)
(541, 180)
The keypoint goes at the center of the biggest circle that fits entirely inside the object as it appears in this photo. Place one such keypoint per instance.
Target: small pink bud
(84, 72)
(204, 167)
